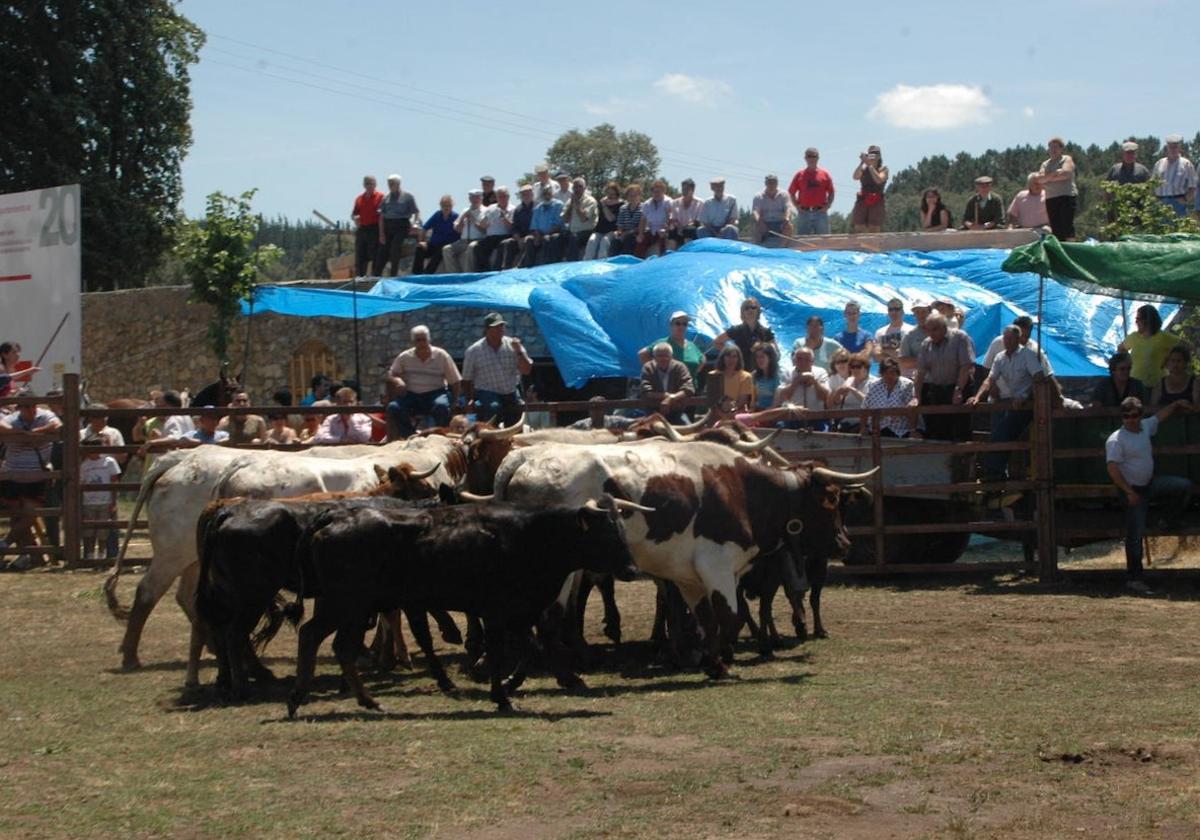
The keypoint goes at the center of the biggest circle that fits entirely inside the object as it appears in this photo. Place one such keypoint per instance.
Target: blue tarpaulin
(594, 316)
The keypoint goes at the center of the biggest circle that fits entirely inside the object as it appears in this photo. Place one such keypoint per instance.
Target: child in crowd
(280, 432)
(97, 468)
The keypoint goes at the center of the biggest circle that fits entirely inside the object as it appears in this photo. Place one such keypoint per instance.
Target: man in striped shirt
(1177, 177)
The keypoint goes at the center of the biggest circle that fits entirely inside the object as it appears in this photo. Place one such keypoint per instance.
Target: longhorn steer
(501, 563)
(716, 510)
(179, 485)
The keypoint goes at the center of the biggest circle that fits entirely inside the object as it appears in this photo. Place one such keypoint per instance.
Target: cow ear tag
(794, 526)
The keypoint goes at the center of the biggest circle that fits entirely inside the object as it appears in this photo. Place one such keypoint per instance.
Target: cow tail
(276, 614)
(207, 597)
(151, 477)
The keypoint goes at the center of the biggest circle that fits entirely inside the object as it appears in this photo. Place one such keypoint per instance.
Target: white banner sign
(40, 289)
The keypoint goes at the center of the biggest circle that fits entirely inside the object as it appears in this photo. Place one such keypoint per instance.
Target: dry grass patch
(988, 708)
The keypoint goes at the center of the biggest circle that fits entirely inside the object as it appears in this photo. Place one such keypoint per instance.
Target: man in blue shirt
(516, 248)
(437, 232)
(547, 229)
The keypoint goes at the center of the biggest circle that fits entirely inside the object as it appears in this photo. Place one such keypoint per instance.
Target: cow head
(820, 497)
(404, 481)
(486, 446)
(602, 546)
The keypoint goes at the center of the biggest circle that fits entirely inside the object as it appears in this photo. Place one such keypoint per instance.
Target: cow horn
(758, 445)
(625, 504)
(694, 427)
(834, 477)
(669, 431)
(510, 431)
(426, 474)
(771, 456)
(468, 496)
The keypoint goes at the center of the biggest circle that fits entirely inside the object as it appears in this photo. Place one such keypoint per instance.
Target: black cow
(499, 562)
(248, 553)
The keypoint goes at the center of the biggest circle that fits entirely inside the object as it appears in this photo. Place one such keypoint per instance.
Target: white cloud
(1028, 112)
(933, 106)
(695, 90)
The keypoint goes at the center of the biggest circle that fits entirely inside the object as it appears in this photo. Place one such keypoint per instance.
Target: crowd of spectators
(555, 217)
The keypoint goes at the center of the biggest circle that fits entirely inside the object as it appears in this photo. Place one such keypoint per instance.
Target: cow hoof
(727, 655)
(370, 703)
(801, 633)
(505, 708)
(766, 652)
(478, 670)
(292, 705)
(820, 633)
(449, 689)
(613, 634)
(130, 663)
(405, 662)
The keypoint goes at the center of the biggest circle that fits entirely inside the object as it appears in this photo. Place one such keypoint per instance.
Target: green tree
(102, 93)
(1135, 209)
(603, 154)
(222, 263)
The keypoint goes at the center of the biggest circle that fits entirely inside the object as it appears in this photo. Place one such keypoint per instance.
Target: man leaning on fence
(1014, 370)
(1131, 467)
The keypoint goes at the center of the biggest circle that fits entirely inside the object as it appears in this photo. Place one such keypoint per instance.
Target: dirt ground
(958, 707)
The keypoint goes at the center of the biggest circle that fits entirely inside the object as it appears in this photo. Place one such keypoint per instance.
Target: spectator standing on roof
(1177, 177)
(1058, 177)
(487, 185)
(1148, 344)
(812, 194)
(1130, 461)
(518, 249)
(1128, 170)
(396, 212)
(870, 209)
(629, 222)
(934, 215)
(365, 216)
(719, 216)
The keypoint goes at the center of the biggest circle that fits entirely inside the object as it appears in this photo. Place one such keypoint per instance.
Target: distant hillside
(955, 179)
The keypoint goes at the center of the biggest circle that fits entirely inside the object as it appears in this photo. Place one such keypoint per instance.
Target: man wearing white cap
(459, 256)
(516, 251)
(497, 225)
(719, 216)
(396, 212)
(1177, 177)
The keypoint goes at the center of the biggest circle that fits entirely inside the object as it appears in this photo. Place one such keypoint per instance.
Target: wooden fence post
(1043, 459)
(877, 489)
(71, 498)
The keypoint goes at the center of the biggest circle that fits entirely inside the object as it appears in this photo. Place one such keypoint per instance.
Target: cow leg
(577, 610)
(446, 626)
(312, 633)
(817, 569)
(769, 640)
(346, 646)
(150, 589)
(558, 657)
(475, 643)
(714, 570)
(185, 596)
(794, 587)
(390, 648)
(494, 632)
(612, 614)
(418, 622)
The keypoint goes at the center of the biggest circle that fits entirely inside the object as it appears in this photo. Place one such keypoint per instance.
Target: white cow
(179, 485)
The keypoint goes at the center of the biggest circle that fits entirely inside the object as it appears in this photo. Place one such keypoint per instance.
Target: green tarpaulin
(1144, 267)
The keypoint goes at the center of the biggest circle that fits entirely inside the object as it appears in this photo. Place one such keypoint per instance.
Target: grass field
(961, 709)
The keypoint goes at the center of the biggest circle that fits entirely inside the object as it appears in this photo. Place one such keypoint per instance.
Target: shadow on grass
(459, 715)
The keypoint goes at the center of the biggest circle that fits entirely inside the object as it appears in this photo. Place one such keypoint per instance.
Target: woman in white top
(848, 386)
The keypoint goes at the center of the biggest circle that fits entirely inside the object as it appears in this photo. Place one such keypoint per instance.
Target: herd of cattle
(510, 528)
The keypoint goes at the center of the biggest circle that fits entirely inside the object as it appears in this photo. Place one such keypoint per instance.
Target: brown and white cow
(716, 510)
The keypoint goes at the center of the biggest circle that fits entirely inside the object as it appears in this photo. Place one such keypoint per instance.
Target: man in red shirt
(366, 215)
(812, 193)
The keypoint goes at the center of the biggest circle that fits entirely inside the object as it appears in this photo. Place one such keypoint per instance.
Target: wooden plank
(913, 240)
(961, 487)
(113, 523)
(877, 487)
(982, 527)
(45, 550)
(72, 498)
(1043, 458)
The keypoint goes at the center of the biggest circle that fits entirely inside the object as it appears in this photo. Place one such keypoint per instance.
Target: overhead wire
(673, 156)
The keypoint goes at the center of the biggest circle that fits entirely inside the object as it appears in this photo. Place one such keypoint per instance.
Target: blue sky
(301, 99)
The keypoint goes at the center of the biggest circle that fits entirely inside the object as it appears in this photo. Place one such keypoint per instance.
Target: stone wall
(138, 339)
